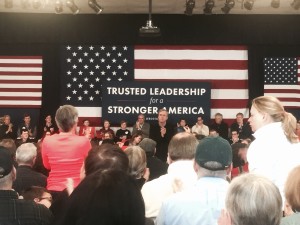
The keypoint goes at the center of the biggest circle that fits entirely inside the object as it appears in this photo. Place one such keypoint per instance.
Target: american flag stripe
(225, 67)
(21, 81)
(288, 94)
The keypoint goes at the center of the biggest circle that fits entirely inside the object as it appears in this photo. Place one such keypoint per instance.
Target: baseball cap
(214, 149)
(6, 162)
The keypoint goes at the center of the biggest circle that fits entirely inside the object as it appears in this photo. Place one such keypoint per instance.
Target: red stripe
(20, 73)
(215, 84)
(192, 64)
(8, 65)
(229, 103)
(94, 121)
(287, 99)
(21, 57)
(191, 47)
(20, 81)
(21, 106)
(17, 98)
(20, 90)
(288, 91)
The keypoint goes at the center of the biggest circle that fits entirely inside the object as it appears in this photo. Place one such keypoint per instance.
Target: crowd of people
(246, 173)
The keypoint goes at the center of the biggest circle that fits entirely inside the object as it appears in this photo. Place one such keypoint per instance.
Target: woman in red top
(65, 152)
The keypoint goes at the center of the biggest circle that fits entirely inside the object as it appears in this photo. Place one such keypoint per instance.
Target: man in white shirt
(200, 128)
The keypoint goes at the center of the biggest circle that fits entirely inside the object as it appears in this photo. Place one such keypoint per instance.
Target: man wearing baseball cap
(14, 210)
(203, 203)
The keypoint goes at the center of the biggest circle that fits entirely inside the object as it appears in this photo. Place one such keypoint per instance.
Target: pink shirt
(64, 154)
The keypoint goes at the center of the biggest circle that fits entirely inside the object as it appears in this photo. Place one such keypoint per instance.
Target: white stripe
(284, 95)
(20, 102)
(160, 74)
(229, 113)
(284, 87)
(20, 85)
(290, 103)
(229, 93)
(21, 94)
(21, 69)
(22, 61)
(89, 111)
(9, 77)
(166, 54)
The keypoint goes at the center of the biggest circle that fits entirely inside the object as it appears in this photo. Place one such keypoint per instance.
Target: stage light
(209, 5)
(229, 4)
(149, 30)
(8, 4)
(95, 6)
(25, 4)
(36, 4)
(58, 7)
(248, 4)
(296, 4)
(189, 7)
(275, 3)
(72, 6)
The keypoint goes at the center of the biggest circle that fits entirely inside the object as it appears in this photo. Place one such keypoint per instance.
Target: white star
(79, 98)
(91, 86)
(125, 60)
(91, 60)
(91, 98)
(68, 60)
(68, 98)
(125, 48)
(97, 67)
(119, 54)
(97, 54)
(119, 67)
(97, 79)
(74, 92)
(80, 60)
(91, 72)
(91, 47)
(114, 60)
(108, 54)
(79, 47)
(102, 47)
(86, 79)
(85, 92)
(114, 73)
(69, 72)
(69, 85)
(125, 73)
(102, 72)
(74, 53)
(114, 48)
(80, 85)
(74, 66)
(102, 60)
(108, 67)
(108, 79)
(80, 73)
(85, 54)
(74, 79)
(97, 92)
(86, 66)
(120, 79)
(68, 47)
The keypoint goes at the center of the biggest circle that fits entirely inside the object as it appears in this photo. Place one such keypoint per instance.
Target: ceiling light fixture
(189, 7)
(275, 3)
(248, 4)
(296, 4)
(149, 30)
(8, 4)
(209, 5)
(25, 4)
(36, 4)
(72, 6)
(95, 6)
(58, 7)
(229, 4)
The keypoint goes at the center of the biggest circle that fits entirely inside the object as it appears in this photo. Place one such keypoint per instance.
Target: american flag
(21, 81)
(225, 67)
(281, 79)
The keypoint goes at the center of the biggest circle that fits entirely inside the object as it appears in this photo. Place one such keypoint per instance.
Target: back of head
(26, 153)
(148, 145)
(10, 145)
(273, 107)
(66, 117)
(182, 146)
(137, 161)
(106, 156)
(33, 192)
(6, 168)
(252, 199)
(292, 189)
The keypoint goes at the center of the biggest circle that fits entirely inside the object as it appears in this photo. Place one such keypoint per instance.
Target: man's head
(26, 154)
(141, 119)
(234, 134)
(48, 119)
(239, 118)
(39, 195)
(24, 133)
(182, 147)
(182, 122)
(7, 170)
(218, 118)
(162, 115)
(199, 120)
(213, 154)
(149, 146)
(6, 119)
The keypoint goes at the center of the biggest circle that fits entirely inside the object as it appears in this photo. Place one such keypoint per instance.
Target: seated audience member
(86, 130)
(292, 198)
(108, 197)
(155, 165)
(28, 125)
(252, 199)
(182, 126)
(201, 204)
(107, 139)
(234, 137)
(243, 128)
(26, 176)
(49, 127)
(123, 134)
(105, 129)
(239, 159)
(137, 165)
(24, 138)
(39, 195)
(200, 128)
(134, 140)
(141, 126)
(6, 129)
(220, 126)
(180, 176)
(12, 209)
(64, 153)
(213, 132)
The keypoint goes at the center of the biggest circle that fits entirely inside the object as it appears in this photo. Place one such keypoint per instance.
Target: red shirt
(64, 154)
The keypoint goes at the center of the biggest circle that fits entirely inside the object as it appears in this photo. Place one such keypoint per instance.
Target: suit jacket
(145, 129)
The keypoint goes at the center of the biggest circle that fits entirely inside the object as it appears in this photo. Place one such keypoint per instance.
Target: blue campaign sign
(182, 100)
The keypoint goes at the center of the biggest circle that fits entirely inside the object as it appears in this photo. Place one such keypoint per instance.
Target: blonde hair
(273, 107)
(137, 161)
(292, 189)
(252, 199)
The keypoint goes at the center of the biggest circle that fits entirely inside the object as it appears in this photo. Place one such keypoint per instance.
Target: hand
(224, 218)
(137, 125)
(146, 174)
(187, 129)
(163, 131)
